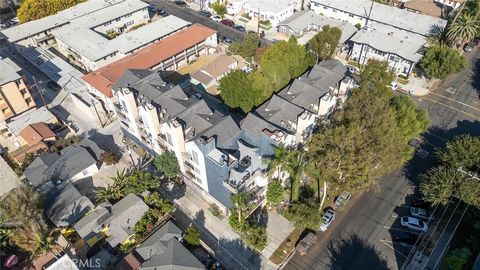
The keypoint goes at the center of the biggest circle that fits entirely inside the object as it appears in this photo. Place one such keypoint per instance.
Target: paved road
(360, 238)
(193, 17)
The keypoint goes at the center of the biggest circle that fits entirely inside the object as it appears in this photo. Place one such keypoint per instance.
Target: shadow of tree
(245, 257)
(346, 253)
(476, 76)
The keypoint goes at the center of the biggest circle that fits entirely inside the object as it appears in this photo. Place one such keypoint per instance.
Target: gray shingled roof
(9, 71)
(223, 131)
(302, 20)
(65, 205)
(279, 112)
(64, 165)
(120, 218)
(163, 251)
(255, 125)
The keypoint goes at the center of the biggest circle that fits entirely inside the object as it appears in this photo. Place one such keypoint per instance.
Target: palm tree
(280, 154)
(294, 167)
(240, 201)
(463, 29)
(438, 35)
(112, 192)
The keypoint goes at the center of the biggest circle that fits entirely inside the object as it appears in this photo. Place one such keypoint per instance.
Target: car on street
(162, 12)
(239, 28)
(216, 18)
(404, 237)
(181, 3)
(306, 243)
(53, 85)
(414, 223)
(327, 219)
(227, 22)
(421, 213)
(343, 199)
(4, 25)
(227, 40)
(205, 13)
(469, 47)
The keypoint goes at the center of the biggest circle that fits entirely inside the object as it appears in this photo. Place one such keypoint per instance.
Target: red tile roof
(36, 133)
(148, 57)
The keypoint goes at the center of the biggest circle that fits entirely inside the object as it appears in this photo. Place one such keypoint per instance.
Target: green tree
(109, 158)
(377, 76)
(140, 181)
(463, 29)
(443, 181)
(441, 62)
(23, 208)
(255, 237)
(167, 164)
(456, 259)
(154, 201)
(410, 120)
(275, 192)
(219, 8)
(325, 43)
(244, 91)
(284, 61)
(36, 9)
(247, 47)
(304, 215)
(240, 201)
(192, 236)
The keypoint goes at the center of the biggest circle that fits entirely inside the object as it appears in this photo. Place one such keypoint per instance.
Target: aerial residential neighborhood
(239, 134)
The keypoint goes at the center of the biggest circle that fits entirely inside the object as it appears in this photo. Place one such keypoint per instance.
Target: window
(28, 100)
(169, 138)
(18, 82)
(118, 19)
(23, 92)
(85, 172)
(195, 157)
(128, 15)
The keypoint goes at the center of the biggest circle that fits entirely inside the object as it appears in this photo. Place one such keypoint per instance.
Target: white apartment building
(273, 10)
(217, 155)
(391, 34)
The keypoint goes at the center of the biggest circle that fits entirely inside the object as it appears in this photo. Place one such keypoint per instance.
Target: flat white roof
(32, 28)
(394, 16)
(64, 263)
(272, 6)
(389, 39)
(92, 45)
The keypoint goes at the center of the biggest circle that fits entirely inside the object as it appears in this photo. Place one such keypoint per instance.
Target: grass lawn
(286, 247)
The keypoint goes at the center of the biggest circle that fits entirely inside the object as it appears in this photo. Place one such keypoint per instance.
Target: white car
(421, 213)
(414, 224)
(216, 18)
(327, 219)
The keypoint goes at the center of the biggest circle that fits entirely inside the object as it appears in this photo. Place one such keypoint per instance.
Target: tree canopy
(441, 62)
(192, 236)
(368, 137)
(247, 47)
(325, 43)
(304, 215)
(274, 192)
(443, 181)
(167, 164)
(36, 9)
(219, 8)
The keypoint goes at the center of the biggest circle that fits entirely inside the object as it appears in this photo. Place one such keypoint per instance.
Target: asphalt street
(360, 237)
(193, 17)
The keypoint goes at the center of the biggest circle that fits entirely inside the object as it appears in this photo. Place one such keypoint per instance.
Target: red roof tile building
(169, 53)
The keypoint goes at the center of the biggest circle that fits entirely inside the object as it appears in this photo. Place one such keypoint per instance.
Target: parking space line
(390, 246)
(396, 229)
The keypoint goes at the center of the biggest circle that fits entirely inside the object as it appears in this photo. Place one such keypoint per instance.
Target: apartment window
(351, 15)
(145, 17)
(18, 82)
(107, 23)
(28, 100)
(195, 157)
(128, 15)
(23, 92)
(169, 138)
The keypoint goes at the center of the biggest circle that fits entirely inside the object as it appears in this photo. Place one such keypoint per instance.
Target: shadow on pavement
(476, 76)
(348, 252)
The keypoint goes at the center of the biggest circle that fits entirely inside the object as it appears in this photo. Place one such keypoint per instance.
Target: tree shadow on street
(476, 76)
(244, 257)
(347, 252)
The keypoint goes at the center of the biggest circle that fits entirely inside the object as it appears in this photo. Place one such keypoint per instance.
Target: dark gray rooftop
(279, 112)
(163, 251)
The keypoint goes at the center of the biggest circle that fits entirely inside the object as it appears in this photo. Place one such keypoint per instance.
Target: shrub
(192, 236)
(109, 158)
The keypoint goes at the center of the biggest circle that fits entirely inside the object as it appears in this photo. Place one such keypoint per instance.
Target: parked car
(151, 8)
(205, 13)
(14, 21)
(239, 28)
(405, 237)
(227, 40)
(343, 199)
(216, 18)
(162, 13)
(414, 224)
(469, 47)
(306, 243)
(53, 85)
(181, 3)
(227, 22)
(4, 25)
(393, 86)
(421, 213)
(327, 219)
(417, 202)
(476, 41)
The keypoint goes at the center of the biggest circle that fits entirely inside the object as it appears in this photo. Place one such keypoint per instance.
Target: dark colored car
(181, 3)
(205, 13)
(227, 40)
(417, 202)
(227, 22)
(151, 8)
(239, 28)
(162, 12)
(53, 85)
(405, 237)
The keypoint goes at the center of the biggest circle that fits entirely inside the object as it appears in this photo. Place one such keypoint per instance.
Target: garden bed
(286, 247)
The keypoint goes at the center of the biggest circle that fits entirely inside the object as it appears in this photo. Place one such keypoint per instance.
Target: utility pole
(41, 92)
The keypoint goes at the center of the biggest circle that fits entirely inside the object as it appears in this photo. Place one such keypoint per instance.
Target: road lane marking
(450, 107)
(459, 102)
(390, 246)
